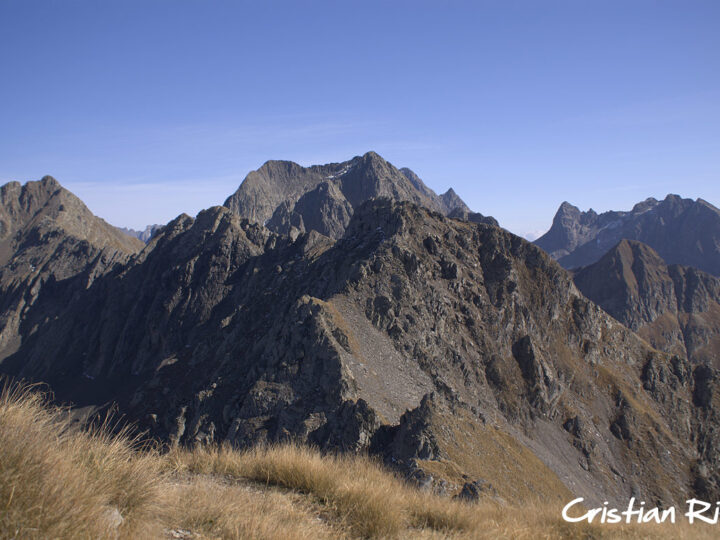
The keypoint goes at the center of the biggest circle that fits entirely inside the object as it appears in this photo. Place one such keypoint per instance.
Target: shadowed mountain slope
(48, 237)
(676, 308)
(455, 350)
(682, 231)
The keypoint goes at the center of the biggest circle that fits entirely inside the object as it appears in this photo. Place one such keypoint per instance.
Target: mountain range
(290, 199)
(682, 231)
(145, 235)
(350, 307)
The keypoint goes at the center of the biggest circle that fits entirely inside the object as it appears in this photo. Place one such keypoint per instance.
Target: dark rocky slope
(290, 199)
(474, 217)
(676, 308)
(51, 247)
(682, 231)
(456, 350)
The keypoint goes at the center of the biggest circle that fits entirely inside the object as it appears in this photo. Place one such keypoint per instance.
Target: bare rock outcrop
(51, 247)
(676, 308)
(290, 199)
(681, 231)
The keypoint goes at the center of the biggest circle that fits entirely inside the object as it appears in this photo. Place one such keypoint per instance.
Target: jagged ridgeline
(49, 238)
(457, 351)
(681, 231)
(290, 199)
(675, 307)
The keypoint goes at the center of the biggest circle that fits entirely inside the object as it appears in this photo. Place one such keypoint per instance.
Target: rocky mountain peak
(21, 201)
(48, 180)
(452, 202)
(449, 201)
(289, 198)
(567, 209)
(631, 282)
(47, 236)
(372, 157)
(645, 205)
(280, 169)
(44, 206)
(676, 308)
(682, 231)
(629, 251)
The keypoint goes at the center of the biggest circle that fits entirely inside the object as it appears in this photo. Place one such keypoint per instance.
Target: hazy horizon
(97, 194)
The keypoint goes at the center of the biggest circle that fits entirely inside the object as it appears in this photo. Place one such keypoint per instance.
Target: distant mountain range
(290, 199)
(651, 269)
(144, 235)
(682, 231)
(350, 307)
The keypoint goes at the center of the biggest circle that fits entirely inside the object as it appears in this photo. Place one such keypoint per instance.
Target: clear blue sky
(146, 109)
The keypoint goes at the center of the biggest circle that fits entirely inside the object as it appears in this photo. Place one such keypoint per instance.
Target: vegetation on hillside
(57, 481)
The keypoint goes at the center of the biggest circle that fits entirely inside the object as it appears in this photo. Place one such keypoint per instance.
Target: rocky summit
(462, 355)
(290, 199)
(676, 308)
(51, 245)
(681, 231)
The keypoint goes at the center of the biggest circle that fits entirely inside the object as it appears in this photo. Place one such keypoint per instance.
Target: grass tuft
(56, 482)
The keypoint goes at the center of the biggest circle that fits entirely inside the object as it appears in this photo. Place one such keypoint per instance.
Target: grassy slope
(58, 482)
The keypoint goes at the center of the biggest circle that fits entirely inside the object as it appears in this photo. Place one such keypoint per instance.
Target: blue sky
(146, 109)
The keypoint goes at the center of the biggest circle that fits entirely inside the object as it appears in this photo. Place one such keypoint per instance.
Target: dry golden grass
(216, 509)
(58, 482)
(357, 492)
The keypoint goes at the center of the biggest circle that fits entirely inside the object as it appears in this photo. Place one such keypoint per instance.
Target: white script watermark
(696, 511)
